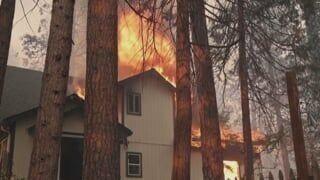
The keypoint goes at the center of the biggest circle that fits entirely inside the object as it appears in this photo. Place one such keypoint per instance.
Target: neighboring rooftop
(21, 91)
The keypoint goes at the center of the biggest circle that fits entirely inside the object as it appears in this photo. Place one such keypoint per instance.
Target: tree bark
(296, 124)
(243, 77)
(311, 92)
(183, 121)
(101, 144)
(211, 148)
(46, 143)
(7, 8)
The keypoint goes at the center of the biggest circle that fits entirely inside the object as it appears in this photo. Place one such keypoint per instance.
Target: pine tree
(183, 120)
(296, 126)
(46, 143)
(211, 148)
(101, 143)
(243, 78)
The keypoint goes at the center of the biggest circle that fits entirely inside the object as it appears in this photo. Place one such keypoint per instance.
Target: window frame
(134, 94)
(128, 164)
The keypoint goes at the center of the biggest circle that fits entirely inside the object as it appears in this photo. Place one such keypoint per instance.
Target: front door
(71, 158)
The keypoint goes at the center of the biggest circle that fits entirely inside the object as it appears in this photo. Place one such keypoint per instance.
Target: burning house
(146, 111)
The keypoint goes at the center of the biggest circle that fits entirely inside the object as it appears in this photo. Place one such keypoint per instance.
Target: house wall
(156, 161)
(22, 148)
(73, 122)
(155, 125)
(153, 131)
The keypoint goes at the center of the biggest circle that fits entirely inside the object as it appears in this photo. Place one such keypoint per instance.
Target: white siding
(152, 131)
(156, 161)
(22, 148)
(155, 125)
(23, 141)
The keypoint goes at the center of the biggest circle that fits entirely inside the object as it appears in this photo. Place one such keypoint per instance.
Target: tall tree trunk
(7, 8)
(296, 124)
(183, 121)
(46, 143)
(101, 143)
(279, 120)
(212, 152)
(312, 24)
(310, 9)
(243, 77)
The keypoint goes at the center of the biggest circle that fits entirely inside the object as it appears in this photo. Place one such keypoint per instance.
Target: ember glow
(79, 90)
(227, 136)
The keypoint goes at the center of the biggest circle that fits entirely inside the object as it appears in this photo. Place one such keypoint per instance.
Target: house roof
(73, 104)
(151, 72)
(22, 89)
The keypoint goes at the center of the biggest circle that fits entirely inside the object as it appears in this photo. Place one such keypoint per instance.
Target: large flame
(141, 46)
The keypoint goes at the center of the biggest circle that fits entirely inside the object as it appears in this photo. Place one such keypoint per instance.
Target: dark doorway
(71, 158)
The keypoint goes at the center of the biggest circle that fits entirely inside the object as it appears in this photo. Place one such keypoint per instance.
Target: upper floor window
(134, 103)
(134, 164)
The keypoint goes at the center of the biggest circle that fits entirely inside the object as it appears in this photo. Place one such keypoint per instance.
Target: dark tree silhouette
(46, 143)
(7, 8)
(101, 143)
(211, 149)
(243, 77)
(183, 120)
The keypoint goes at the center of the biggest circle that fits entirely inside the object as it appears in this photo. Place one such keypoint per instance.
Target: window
(134, 103)
(134, 164)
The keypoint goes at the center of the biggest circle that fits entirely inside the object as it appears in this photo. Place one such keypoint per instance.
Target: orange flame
(140, 47)
(143, 45)
(227, 136)
(79, 90)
